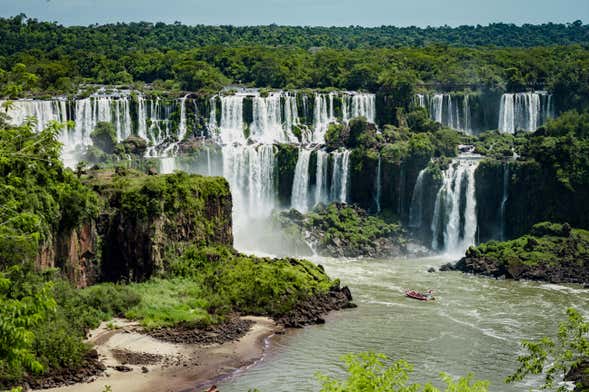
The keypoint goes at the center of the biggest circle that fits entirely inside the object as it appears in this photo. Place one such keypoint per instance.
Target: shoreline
(179, 367)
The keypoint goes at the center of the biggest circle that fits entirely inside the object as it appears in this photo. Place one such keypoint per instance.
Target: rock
(431, 270)
(123, 368)
(144, 369)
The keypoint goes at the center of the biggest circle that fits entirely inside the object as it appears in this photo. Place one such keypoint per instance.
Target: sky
(302, 12)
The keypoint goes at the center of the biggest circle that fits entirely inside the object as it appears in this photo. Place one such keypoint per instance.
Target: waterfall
(524, 111)
(378, 185)
(437, 107)
(504, 199)
(454, 217)
(291, 115)
(231, 128)
(182, 125)
(339, 177)
(466, 126)
(167, 165)
(267, 124)
(358, 105)
(416, 207)
(141, 117)
(323, 114)
(212, 124)
(300, 186)
(209, 167)
(447, 109)
(250, 172)
(321, 191)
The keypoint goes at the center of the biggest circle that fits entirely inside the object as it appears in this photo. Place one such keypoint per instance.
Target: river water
(475, 325)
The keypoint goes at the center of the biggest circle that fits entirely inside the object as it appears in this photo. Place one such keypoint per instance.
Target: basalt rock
(313, 309)
(552, 252)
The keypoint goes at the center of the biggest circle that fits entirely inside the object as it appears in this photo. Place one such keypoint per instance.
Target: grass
(169, 302)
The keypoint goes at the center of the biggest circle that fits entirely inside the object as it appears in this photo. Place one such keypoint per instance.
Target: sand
(185, 367)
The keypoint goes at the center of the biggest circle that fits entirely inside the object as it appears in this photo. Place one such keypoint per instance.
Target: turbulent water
(475, 325)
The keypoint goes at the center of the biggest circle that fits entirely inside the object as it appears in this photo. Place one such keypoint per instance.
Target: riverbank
(136, 361)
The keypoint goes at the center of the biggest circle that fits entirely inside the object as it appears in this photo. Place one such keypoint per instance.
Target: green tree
(554, 359)
(20, 312)
(370, 372)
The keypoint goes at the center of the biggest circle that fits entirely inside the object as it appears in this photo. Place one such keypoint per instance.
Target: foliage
(370, 372)
(104, 136)
(548, 243)
(248, 284)
(40, 57)
(22, 309)
(554, 359)
(337, 136)
(39, 198)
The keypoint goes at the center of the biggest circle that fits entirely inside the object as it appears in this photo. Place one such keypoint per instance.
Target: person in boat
(429, 295)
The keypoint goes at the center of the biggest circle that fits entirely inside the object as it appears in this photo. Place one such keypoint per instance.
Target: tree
(369, 372)
(555, 359)
(20, 312)
(104, 137)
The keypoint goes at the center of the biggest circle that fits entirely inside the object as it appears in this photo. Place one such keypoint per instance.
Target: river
(475, 325)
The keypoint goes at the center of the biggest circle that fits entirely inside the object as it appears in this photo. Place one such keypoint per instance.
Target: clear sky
(302, 12)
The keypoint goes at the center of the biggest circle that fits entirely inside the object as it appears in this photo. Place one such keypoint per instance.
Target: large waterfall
(524, 111)
(300, 186)
(454, 222)
(450, 110)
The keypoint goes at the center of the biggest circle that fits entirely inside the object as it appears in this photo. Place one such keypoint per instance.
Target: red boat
(420, 296)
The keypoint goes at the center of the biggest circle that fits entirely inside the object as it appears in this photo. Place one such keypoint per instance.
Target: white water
(321, 190)
(416, 208)
(524, 111)
(231, 127)
(378, 184)
(454, 218)
(300, 186)
(182, 125)
(449, 110)
(339, 177)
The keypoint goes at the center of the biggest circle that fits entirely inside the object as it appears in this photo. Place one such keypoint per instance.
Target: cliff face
(152, 219)
(144, 221)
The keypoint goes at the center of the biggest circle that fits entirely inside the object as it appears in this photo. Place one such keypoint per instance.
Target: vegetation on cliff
(173, 232)
(552, 252)
(344, 230)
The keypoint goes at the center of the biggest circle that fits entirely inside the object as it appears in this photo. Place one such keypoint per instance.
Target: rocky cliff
(551, 252)
(143, 222)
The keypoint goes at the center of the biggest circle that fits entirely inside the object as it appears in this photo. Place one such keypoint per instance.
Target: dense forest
(21, 33)
(46, 58)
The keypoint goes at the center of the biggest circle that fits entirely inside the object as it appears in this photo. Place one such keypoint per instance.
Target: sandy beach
(161, 366)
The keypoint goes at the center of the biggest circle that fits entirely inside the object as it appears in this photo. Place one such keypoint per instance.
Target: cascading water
(231, 127)
(300, 186)
(321, 190)
(504, 200)
(182, 126)
(378, 185)
(450, 110)
(339, 177)
(524, 111)
(267, 124)
(358, 105)
(454, 222)
(416, 208)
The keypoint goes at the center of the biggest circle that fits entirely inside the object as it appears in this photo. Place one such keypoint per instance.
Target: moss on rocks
(551, 252)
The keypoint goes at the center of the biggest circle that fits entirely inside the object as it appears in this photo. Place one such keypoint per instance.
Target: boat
(420, 296)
